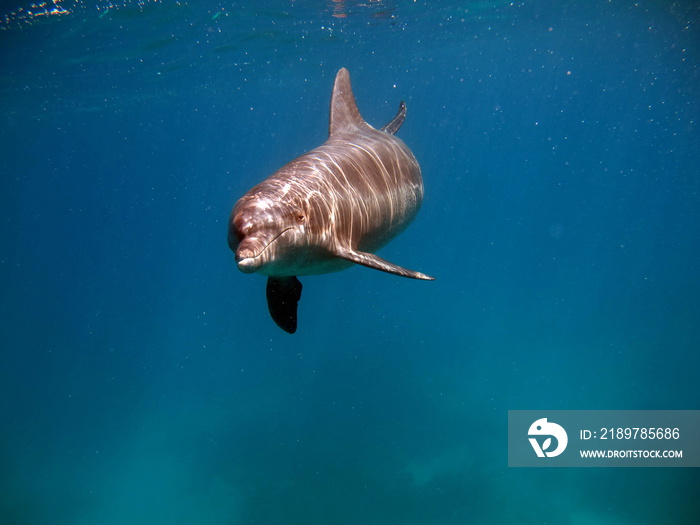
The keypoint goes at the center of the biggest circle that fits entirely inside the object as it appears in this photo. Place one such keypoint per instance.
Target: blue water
(141, 379)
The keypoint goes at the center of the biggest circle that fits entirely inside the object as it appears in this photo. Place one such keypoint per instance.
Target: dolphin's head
(263, 231)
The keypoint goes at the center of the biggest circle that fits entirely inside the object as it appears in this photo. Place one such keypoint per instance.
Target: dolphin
(329, 209)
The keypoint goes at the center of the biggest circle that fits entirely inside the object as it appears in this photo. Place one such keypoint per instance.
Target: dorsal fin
(344, 113)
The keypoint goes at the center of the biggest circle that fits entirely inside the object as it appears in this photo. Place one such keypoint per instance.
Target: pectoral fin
(372, 261)
(283, 294)
(395, 123)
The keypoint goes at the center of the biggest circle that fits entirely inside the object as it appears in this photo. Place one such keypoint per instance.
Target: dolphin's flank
(334, 206)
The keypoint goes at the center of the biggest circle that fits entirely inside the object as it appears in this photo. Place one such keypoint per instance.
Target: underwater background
(141, 378)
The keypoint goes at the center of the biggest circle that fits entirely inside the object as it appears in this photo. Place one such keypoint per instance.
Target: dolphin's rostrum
(329, 208)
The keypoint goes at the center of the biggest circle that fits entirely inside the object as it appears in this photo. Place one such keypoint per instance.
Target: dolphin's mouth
(248, 264)
(249, 258)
